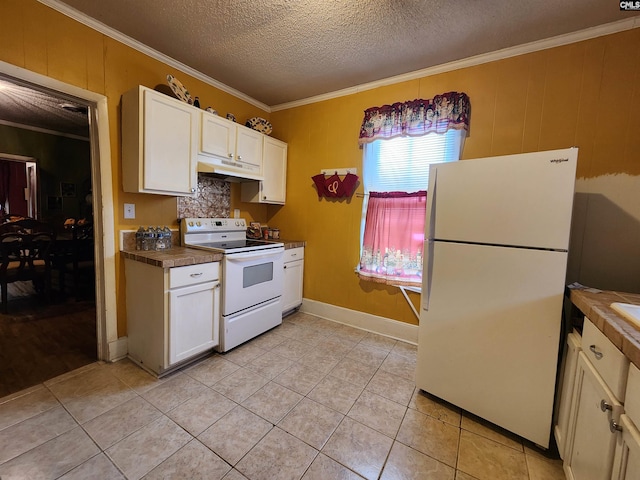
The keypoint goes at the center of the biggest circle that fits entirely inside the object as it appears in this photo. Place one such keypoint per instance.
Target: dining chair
(25, 257)
(74, 256)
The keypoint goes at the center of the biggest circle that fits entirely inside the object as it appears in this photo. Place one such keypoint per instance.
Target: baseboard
(118, 349)
(365, 321)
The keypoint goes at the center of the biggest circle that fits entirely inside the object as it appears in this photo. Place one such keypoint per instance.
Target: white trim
(106, 311)
(118, 349)
(364, 321)
(142, 48)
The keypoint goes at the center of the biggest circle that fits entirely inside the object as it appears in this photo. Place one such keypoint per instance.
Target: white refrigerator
(497, 233)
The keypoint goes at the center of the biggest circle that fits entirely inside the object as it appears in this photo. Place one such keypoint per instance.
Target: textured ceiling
(278, 51)
(22, 105)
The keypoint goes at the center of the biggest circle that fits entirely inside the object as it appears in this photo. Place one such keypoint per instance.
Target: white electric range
(252, 276)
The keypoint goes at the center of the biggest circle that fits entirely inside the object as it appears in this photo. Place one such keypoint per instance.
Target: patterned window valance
(417, 117)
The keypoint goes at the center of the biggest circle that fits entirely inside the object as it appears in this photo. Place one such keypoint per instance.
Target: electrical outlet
(129, 210)
(236, 213)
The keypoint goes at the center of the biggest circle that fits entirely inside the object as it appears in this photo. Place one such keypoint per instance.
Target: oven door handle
(255, 256)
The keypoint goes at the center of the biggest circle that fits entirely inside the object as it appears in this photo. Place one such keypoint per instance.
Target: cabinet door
(568, 376)
(194, 319)
(590, 453)
(170, 139)
(249, 148)
(626, 464)
(292, 290)
(218, 136)
(274, 185)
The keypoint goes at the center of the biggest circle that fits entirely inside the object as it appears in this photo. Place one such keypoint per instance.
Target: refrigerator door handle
(427, 274)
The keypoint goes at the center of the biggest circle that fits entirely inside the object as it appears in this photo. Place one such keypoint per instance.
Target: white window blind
(402, 164)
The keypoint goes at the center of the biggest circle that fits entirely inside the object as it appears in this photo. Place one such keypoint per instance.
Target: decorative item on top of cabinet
(293, 277)
(159, 144)
(259, 124)
(273, 189)
(596, 407)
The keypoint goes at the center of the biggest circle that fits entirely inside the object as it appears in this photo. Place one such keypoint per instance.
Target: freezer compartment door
(488, 342)
(524, 200)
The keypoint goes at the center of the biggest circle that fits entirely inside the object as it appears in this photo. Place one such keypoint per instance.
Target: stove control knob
(191, 224)
(198, 224)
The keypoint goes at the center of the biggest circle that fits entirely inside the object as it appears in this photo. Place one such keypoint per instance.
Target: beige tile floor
(311, 399)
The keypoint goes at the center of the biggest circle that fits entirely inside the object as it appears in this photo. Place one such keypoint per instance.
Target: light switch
(129, 210)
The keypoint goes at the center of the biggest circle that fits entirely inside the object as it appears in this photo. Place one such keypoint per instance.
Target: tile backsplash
(213, 199)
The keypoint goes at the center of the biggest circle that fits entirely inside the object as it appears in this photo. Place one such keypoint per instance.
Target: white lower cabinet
(596, 407)
(191, 329)
(565, 395)
(626, 462)
(293, 278)
(626, 465)
(590, 453)
(173, 314)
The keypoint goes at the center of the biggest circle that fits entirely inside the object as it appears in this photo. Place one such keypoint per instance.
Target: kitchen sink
(629, 312)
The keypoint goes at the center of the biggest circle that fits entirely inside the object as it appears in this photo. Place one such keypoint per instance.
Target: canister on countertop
(275, 233)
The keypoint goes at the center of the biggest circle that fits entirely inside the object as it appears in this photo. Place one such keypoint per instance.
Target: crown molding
(142, 48)
(552, 42)
(538, 45)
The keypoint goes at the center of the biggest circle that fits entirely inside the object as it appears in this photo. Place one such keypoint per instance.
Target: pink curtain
(394, 238)
(416, 117)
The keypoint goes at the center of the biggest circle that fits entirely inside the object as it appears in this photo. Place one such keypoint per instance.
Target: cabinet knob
(264, 198)
(285, 267)
(239, 157)
(231, 155)
(614, 427)
(193, 190)
(595, 352)
(604, 406)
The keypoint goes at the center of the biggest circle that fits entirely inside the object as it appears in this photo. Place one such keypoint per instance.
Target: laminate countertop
(181, 256)
(174, 257)
(595, 305)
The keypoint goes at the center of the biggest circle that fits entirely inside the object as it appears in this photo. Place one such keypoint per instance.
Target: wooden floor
(39, 340)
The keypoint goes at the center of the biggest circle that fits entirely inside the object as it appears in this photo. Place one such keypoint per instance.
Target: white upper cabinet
(159, 144)
(273, 188)
(218, 136)
(228, 148)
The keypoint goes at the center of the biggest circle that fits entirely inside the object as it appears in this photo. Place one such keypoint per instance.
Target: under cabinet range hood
(227, 170)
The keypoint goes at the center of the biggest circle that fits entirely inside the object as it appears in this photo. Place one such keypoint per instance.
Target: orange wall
(585, 94)
(38, 38)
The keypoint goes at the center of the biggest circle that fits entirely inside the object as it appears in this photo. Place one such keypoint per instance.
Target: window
(395, 178)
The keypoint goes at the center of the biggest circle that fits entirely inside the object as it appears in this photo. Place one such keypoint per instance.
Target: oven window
(257, 274)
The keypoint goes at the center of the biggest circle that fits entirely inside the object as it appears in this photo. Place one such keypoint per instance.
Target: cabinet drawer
(608, 361)
(293, 254)
(632, 400)
(192, 274)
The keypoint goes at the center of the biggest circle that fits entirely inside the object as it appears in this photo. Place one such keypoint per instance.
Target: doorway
(104, 341)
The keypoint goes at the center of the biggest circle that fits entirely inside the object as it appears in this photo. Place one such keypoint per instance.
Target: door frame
(104, 231)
